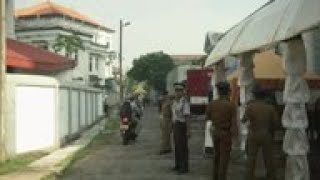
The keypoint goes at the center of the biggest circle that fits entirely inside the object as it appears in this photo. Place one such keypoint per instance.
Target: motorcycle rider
(126, 111)
(136, 115)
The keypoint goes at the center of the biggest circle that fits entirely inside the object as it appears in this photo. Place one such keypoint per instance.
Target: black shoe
(134, 137)
(180, 172)
(175, 169)
(165, 152)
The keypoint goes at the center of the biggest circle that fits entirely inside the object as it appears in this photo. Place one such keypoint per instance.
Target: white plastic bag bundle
(311, 41)
(296, 90)
(295, 116)
(246, 69)
(296, 142)
(246, 94)
(294, 55)
(297, 168)
(208, 138)
(296, 95)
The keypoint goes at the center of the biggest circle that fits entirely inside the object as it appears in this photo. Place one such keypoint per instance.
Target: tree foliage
(70, 43)
(153, 69)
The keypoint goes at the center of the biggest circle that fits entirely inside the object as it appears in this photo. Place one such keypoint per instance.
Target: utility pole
(2, 80)
(122, 25)
(120, 62)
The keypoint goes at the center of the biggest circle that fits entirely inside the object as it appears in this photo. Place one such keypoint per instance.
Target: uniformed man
(180, 116)
(161, 99)
(222, 113)
(166, 124)
(262, 117)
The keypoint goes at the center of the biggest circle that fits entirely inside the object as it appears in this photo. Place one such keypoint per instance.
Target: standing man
(161, 99)
(166, 124)
(222, 113)
(105, 106)
(262, 117)
(180, 116)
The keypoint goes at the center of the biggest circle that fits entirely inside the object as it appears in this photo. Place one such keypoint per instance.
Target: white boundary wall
(80, 107)
(42, 114)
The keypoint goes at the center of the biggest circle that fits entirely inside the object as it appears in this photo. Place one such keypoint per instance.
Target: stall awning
(268, 66)
(276, 21)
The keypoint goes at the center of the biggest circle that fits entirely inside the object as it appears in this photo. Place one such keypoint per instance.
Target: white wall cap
(33, 80)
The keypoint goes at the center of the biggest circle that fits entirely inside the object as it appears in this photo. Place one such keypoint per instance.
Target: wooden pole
(120, 62)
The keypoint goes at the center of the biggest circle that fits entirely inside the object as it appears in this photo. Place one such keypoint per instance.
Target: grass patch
(112, 125)
(19, 162)
(97, 143)
(51, 177)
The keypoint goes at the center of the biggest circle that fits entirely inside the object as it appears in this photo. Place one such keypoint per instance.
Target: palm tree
(70, 43)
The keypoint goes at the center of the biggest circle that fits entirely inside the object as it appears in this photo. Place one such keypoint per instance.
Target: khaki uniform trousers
(166, 130)
(222, 148)
(257, 141)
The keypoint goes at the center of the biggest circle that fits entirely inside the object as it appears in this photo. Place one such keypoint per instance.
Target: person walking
(222, 113)
(263, 118)
(105, 106)
(180, 116)
(166, 125)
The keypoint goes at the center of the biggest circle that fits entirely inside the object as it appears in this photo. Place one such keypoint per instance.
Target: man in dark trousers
(222, 113)
(263, 118)
(180, 116)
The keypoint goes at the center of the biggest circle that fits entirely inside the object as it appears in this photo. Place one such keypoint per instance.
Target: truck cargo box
(178, 74)
(198, 89)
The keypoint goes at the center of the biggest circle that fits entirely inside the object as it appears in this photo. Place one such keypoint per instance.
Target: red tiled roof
(49, 8)
(26, 57)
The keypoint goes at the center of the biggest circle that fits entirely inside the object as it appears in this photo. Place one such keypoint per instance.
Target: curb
(55, 163)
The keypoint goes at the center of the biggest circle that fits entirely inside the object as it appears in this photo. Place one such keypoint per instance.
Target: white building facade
(42, 26)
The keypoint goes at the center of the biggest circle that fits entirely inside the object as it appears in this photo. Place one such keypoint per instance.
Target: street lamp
(122, 25)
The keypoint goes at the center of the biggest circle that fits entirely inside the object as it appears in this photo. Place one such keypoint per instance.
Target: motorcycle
(124, 129)
(127, 129)
(127, 125)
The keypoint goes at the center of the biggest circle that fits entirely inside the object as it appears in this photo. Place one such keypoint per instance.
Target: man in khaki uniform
(166, 124)
(262, 118)
(222, 113)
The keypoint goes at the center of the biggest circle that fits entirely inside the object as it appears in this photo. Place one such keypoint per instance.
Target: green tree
(70, 43)
(152, 68)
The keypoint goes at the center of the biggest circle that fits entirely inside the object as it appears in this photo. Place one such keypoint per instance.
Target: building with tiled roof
(42, 24)
(51, 9)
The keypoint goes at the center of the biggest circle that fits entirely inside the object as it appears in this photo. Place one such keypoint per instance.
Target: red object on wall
(26, 57)
(198, 82)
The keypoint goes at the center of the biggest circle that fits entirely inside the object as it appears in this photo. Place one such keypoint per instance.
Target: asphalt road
(141, 160)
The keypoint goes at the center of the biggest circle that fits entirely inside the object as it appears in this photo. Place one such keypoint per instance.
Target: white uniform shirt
(135, 109)
(180, 109)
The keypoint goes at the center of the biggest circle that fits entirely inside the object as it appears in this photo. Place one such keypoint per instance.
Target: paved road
(140, 161)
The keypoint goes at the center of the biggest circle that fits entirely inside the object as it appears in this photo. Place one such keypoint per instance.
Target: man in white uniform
(180, 116)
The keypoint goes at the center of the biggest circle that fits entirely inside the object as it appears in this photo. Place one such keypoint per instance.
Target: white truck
(178, 74)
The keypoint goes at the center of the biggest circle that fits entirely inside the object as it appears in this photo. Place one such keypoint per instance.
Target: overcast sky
(174, 26)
